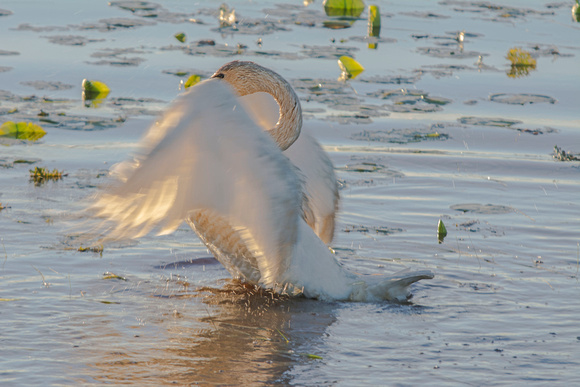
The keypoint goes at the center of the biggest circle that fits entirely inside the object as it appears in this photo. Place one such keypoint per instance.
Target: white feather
(209, 162)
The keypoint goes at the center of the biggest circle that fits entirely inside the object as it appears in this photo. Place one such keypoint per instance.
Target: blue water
(503, 307)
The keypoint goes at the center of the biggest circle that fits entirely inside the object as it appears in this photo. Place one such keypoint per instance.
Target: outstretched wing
(206, 153)
(320, 185)
(317, 171)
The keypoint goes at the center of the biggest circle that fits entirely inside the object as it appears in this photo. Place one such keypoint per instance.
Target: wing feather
(207, 153)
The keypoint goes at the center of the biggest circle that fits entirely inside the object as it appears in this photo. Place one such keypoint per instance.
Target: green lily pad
(181, 37)
(22, 131)
(441, 231)
(350, 66)
(94, 89)
(374, 20)
(352, 8)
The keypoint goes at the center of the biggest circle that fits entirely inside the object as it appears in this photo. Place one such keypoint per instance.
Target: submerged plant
(521, 62)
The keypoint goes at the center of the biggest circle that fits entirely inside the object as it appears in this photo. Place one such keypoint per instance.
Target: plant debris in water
(108, 275)
(41, 175)
(562, 155)
(521, 63)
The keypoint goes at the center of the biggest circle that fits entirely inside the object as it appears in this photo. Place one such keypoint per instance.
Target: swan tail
(396, 287)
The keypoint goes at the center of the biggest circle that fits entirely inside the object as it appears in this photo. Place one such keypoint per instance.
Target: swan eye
(220, 75)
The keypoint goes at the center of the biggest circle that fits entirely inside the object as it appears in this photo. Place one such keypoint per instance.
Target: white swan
(264, 213)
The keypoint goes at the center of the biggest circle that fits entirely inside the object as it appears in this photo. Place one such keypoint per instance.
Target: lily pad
(446, 52)
(21, 131)
(378, 230)
(133, 6)
(181, 37)
(71, 40)
(45, 85)
(94, 89)
(487, 121)
(521, 99)
(349, 8)
(350, 66)
(328, 52)
(486, 209)
(401, 136)
(374, 28)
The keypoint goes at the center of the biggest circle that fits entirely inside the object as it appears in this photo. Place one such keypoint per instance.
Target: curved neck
(289, 123)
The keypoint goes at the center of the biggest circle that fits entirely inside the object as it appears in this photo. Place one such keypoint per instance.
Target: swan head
(247, 77)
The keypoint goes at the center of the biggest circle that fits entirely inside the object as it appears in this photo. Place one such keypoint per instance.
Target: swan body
(262, 201)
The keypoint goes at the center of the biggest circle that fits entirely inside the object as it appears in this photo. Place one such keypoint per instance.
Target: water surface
(420, 135)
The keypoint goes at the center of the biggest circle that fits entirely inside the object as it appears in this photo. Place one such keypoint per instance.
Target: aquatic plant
(576, 12)
(181, 37)
(40, 175)
(22, 131)
(192, 80)
(94, 92)
(441, 231)
(374, 21)
(521, 62)
(350, 67)
(562, 155)
(351, 8)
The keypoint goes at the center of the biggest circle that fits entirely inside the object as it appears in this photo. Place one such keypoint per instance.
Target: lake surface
(427, 132)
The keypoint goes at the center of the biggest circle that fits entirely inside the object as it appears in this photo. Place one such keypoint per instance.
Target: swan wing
(206, 153)
(316, 169)
(320, 184)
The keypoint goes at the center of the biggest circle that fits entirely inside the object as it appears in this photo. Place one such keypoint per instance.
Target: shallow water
(503, 307)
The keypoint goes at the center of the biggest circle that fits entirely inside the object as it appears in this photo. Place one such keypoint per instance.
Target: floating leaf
(109, 275)
(441, 231)
(94, 90)
(350, 67)
(337, 24)
(311, 356)
(374, 21)
(192, 80)
(181, 37)
(8, 299)
(576, 12)
(92, 249)
(352, 8)
(22, 131)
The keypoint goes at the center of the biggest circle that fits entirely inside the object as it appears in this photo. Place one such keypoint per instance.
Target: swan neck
(289, 123)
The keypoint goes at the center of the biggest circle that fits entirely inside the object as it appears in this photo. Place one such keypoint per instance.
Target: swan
(262, 201)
